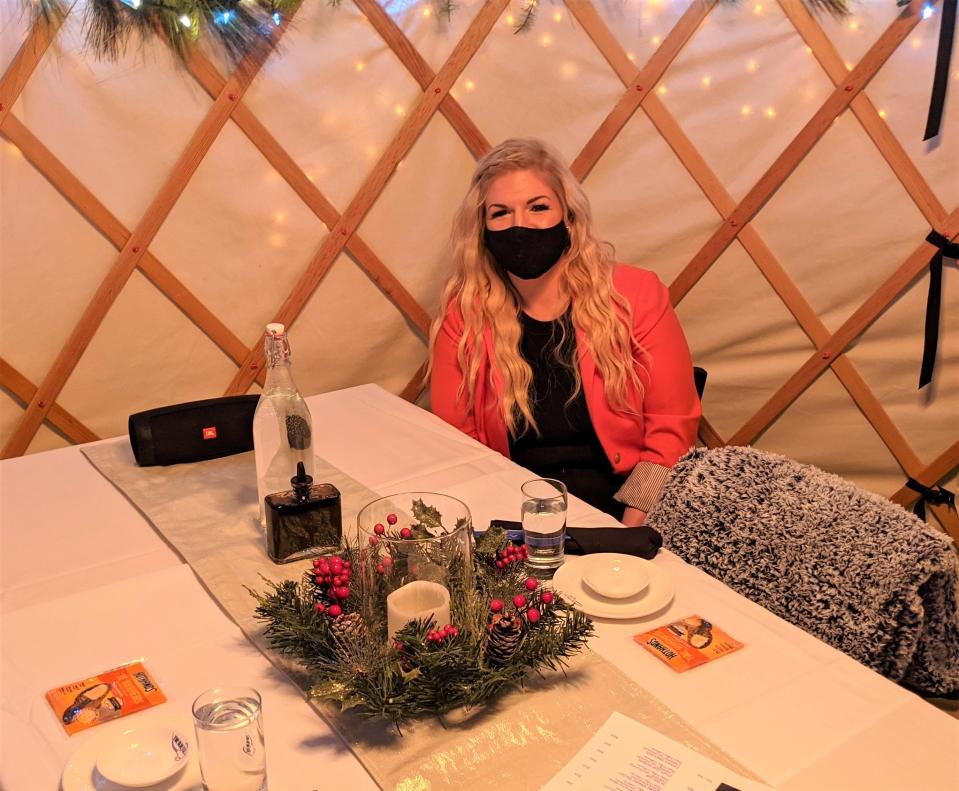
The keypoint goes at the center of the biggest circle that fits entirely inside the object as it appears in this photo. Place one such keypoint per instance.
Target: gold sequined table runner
(207, 513)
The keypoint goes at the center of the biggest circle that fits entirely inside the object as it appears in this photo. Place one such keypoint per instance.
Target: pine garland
(426, 669)
(235, 28)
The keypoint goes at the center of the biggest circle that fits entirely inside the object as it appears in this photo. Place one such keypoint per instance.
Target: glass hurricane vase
(416, 560)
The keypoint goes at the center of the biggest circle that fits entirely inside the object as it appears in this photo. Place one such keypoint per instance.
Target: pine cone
(505, 633)
(348, 629)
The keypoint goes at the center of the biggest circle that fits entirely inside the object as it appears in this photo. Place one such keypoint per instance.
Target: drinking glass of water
(229, 735)
(544, 522)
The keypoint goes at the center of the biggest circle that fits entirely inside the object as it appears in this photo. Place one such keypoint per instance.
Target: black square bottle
(303, 522)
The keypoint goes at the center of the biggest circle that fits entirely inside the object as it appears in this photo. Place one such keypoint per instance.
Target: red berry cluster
(531, 606)
(448, 632)
(332, 579)
(512, 554)
(380, 529)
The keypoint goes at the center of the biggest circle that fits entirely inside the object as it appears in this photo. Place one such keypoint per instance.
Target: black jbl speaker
(195, 431)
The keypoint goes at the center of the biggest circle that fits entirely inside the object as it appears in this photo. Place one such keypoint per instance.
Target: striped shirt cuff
(643, 485)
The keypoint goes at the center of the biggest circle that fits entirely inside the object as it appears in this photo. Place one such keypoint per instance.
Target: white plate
(615, 576)
(141, 756)
(80, 773)
(568, 582)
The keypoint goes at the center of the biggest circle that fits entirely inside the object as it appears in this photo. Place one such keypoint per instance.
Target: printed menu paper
(688, 643)
(626, 755)
(104, 697)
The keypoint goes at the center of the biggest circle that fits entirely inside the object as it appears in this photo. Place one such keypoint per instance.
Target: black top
(567, 447)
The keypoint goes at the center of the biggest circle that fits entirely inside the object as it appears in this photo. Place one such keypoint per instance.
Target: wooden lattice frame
(227, 95)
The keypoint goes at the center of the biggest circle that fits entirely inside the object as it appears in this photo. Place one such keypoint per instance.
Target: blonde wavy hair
(485, 296)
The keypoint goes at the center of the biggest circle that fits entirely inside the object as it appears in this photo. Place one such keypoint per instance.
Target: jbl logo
(209, 432)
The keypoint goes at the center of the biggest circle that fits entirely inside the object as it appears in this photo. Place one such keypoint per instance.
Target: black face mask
(527, 253)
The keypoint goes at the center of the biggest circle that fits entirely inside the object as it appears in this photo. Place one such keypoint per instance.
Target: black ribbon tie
(946, 249)
(934, 495)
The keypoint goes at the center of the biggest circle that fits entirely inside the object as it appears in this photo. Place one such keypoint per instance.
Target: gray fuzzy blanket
(848, 566)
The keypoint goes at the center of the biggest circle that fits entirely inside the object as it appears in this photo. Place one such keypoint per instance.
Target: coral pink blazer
(666, 416)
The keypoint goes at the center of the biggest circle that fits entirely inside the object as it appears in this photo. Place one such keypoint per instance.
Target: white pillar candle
(418, 599)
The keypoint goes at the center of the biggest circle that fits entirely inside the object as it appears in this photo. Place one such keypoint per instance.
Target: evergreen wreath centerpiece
(486, 623)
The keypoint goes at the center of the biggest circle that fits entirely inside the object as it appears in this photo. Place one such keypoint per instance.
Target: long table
(87, 584)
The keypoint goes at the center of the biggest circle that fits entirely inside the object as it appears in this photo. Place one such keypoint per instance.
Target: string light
(745, 110)
(279, 217)
(662, 90)
(510, 20)
(427, 12)
(360, 65)
(854, 25)
(757, 9)
(277, 18)
(224, 17)
(882, 113)
(569, 70)
(399, 110)
(631, 56)
(277, 240)
(545, 40)
(916, 42)
(657, 40)
(186, 21)
(927, 11)
(752, 66)
(470, 85)
(770, 112)
(706, 81)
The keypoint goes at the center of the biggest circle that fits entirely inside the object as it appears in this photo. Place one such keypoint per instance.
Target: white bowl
(615, 576)
(145, 756)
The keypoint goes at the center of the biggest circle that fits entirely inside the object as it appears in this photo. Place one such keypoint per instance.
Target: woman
(550, 353)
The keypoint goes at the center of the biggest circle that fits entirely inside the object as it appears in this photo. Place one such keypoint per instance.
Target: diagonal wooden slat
(24, 390)
(376, 181)
(865, 111)
(70, 187)
(135, 248)
(417, 66)
(417, 384)
(851, 329)
(639, 88)
(708, 434)
(25, 61)
(212, 82)
(795, 151)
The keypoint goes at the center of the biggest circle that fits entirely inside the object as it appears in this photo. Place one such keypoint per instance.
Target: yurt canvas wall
(766, 162)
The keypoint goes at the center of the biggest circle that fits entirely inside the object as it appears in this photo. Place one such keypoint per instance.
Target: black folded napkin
(642, 541)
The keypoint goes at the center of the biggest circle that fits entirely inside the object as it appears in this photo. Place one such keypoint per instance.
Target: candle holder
(416, 560)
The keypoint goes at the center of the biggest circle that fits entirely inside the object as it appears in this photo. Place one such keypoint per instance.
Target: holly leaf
(428, 517)
(491, 541)
(330, 689)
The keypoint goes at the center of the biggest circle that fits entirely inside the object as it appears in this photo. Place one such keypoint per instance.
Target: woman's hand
(633, 517)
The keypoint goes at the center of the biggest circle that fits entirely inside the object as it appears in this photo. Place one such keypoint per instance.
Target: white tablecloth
(87, 584)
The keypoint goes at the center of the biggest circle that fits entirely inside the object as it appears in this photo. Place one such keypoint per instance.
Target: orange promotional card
(107, 696)
(688, 643)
